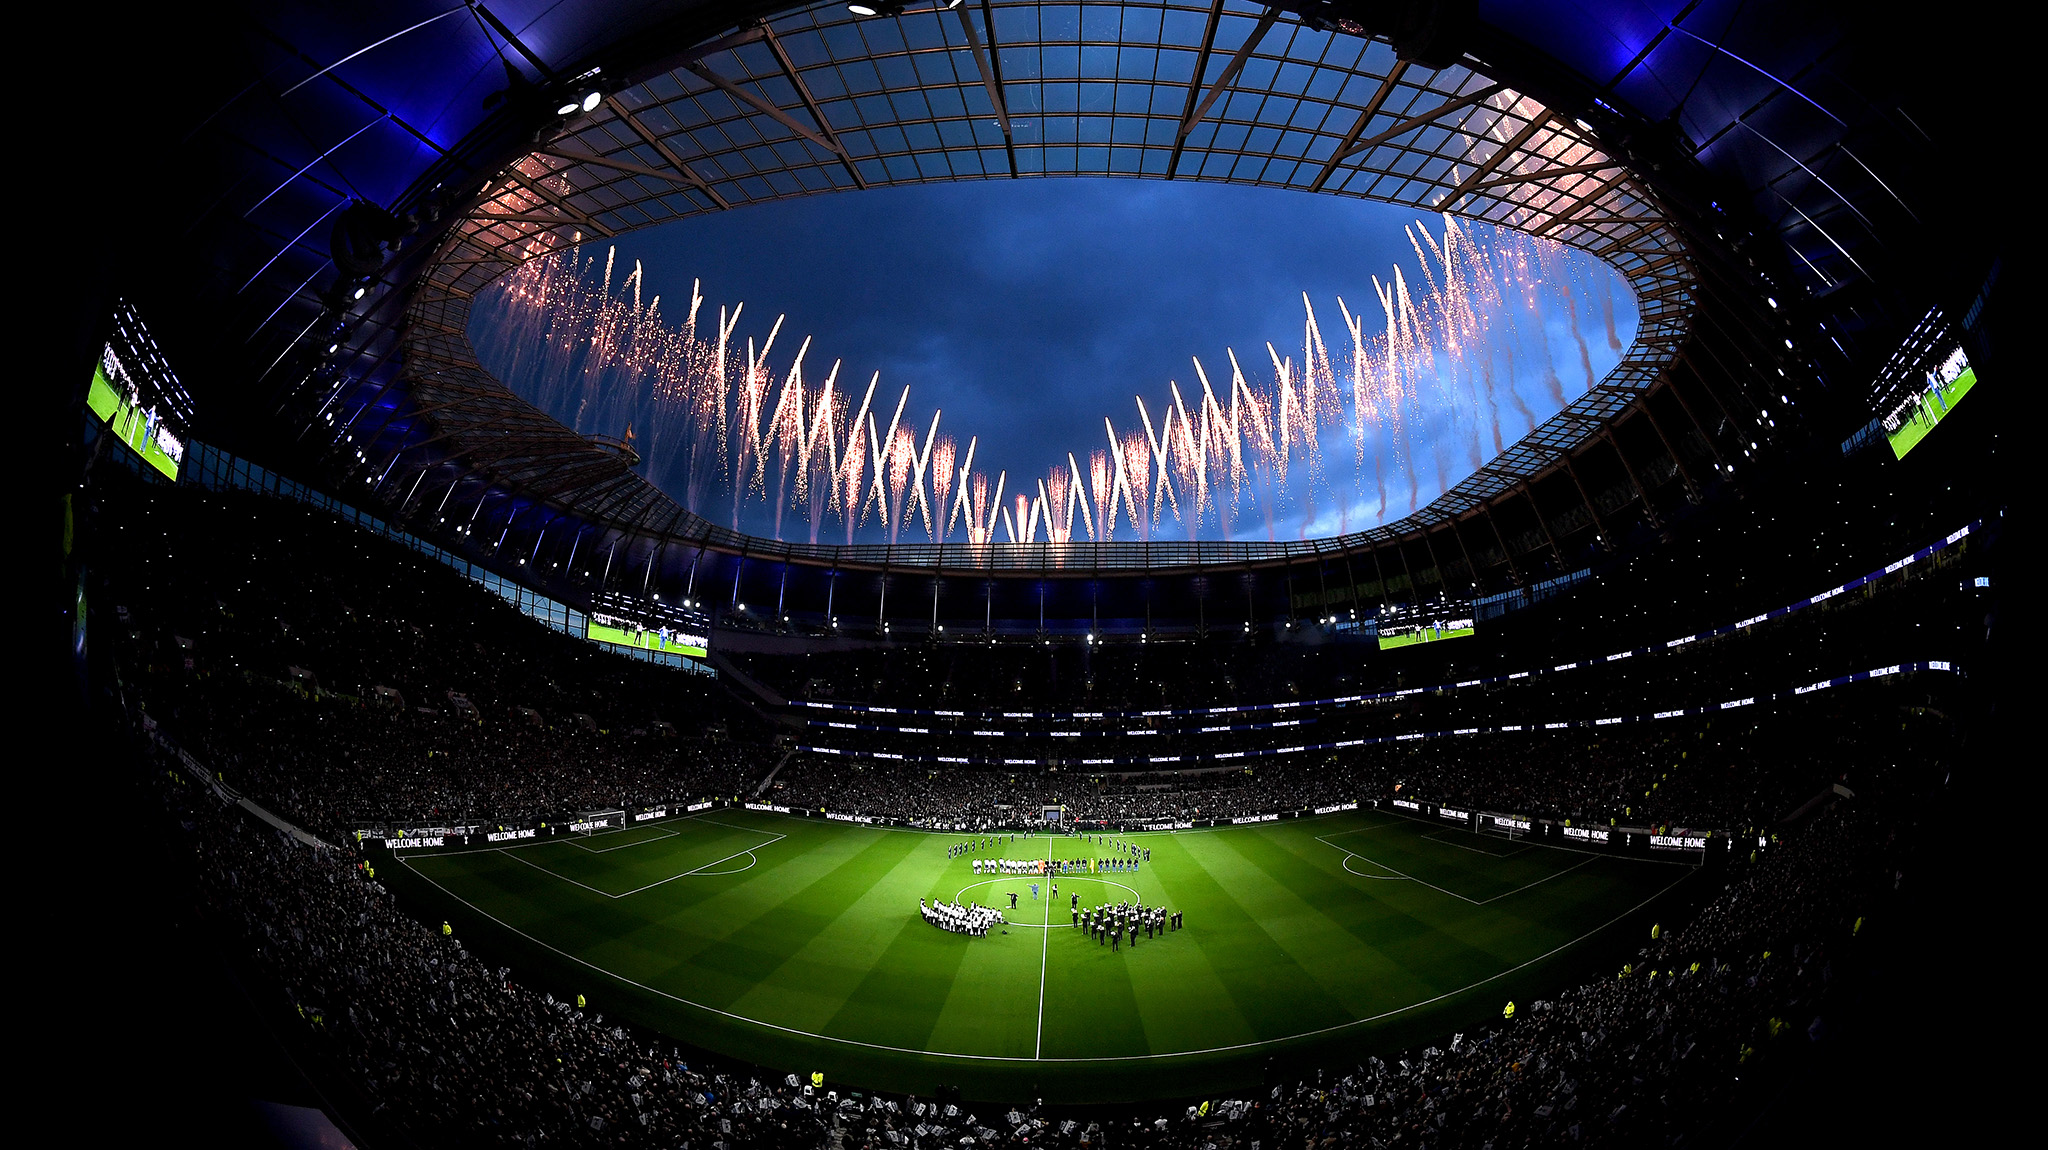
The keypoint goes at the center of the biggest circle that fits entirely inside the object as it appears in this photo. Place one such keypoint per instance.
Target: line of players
(1121, 851)
(1057, 866)
(985, 842)
(1109, 923)
(1009, 866)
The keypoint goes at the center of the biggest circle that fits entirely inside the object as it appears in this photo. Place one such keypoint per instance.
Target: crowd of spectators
(456, 1050)
(1916, 612)
(341, 767)
(1704, 773)
(452, 1049)
(346, 683)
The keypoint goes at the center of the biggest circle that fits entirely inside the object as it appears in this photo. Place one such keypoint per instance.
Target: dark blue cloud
(1027, 310)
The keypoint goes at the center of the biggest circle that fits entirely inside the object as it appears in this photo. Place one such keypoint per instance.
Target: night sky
(1027, 310)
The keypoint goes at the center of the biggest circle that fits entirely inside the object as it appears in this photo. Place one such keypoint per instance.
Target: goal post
(1508, 826)
(588, 823)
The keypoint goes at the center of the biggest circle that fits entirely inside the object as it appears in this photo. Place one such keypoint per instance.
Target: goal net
(1493, 823)
(588, 823)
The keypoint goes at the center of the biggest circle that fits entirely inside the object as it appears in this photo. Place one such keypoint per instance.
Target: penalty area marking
(752, 862)
(1103, 1058)
(1349, 854)
(1433, 837)
(704, 871)
(1361, 874)
(665, 834)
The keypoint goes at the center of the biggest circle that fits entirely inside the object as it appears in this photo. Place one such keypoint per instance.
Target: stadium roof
(1656, 137)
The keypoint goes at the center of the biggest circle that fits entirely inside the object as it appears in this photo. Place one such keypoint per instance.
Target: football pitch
(796, 943)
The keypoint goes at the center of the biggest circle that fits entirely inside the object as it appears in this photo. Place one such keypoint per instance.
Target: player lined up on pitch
(1009, 866)
(983, 843)
(968, 918)
(1119, 847)
(1059, 866)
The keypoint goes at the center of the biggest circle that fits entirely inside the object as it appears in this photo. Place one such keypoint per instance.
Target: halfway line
(1044, 940)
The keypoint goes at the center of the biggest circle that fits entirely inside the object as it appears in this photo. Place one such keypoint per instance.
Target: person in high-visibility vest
(446, 930)
(1656, 931)
(817, 1078)
(1508, 1012)
(579, 1002)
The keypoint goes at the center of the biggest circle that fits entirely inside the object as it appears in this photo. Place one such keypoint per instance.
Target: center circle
(1069, 878)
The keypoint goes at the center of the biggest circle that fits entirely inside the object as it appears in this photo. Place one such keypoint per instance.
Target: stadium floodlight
(591, 100)
(862, 10)
(568, 109)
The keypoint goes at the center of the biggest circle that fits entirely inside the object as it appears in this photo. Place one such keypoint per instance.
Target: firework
(1227, 451)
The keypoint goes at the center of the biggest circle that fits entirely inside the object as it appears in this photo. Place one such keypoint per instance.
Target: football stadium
(994, 573)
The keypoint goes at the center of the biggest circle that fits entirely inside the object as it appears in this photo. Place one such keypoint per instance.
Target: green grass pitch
(796, 943)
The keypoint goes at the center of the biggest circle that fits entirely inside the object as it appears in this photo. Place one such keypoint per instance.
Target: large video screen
(115, 397)
(1428, 623)
(1427, 633)
(1945, 386)
(674, 642)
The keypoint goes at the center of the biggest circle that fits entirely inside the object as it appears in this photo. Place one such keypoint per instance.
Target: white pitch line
(555, 874)
(752, 862)
(706, 866)
(1109, 1058)
(666, 834)
(1432, 837)
(1044, 941)
(1378, 877)
(1404, 874)
(1541, 881)
(1068, 877)
(1454, 894)
(733, 855)
(658, 882)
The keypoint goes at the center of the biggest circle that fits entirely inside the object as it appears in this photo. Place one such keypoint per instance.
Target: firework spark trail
(711, 410)
(1607, 315)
